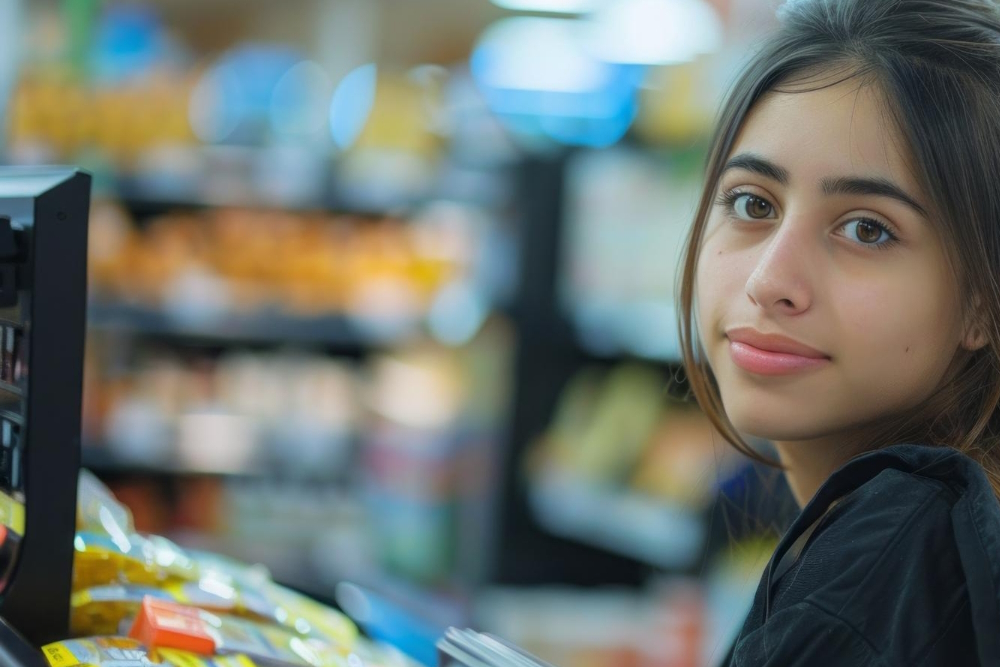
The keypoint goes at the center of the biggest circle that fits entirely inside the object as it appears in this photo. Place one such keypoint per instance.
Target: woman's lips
(782, 355)
(762, 362)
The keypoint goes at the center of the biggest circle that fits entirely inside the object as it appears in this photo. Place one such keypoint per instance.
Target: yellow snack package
(184, 659)
(101, 610)
(221, 567)
(173, 561)
(258, 596)
(125, 652)
(111, 610)
(100, 560)
(171, 626)
(97, 652)
(271, 645)
(307, 616)
(103, 559)
(97, 509)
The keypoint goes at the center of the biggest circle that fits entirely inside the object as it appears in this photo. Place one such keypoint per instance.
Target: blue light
(591, 132)
(539, 82)
(232, 102)
(128, 42)
(352, 104)
(299, 102)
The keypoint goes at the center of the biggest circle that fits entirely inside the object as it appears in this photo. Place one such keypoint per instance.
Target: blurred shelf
(11, 388)
(267, 327)
(288, 566)
(657, 533)
(144, 201)
(645, 331)
(294, 179)
(100, 460)
(155, 192)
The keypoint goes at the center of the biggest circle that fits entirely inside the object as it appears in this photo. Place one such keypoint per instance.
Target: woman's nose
(780, 282)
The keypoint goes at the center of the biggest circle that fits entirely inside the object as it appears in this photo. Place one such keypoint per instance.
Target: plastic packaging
(97, 509)
(102, 609)
(310, 617)
(127, 559)
(161, 624)
(127, 652)
(120, 576)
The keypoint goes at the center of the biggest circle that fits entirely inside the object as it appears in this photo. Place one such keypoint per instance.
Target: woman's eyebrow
(879, 187)
(846, 185)
(758, 165)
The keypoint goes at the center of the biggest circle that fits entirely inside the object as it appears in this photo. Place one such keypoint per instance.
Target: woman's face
(825, 299)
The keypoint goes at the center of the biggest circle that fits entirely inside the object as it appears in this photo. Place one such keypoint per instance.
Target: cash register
(43, 287)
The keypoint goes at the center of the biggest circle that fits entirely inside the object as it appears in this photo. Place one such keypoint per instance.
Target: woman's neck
(809, 463)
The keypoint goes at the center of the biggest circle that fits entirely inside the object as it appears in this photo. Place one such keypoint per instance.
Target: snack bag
(274, 646)
(238, 573)
(127, 652)
(256, 595)
(115, 569)
(310, 617)
(184, 659)
(97, 509)
(102, 558)
(167, 625)
(173, 562)
(100, 610)
(97, 652)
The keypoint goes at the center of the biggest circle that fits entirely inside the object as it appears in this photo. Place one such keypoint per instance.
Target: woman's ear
(974, 339)
(975, 336)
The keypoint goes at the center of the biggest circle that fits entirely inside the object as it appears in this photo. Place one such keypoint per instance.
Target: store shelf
(641, 330)
(101, 460)
(663, 535)
(254, 177)
(146, 200)
(267, 327)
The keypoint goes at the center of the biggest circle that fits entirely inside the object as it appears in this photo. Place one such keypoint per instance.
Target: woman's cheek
(717, 278)
(710, 289)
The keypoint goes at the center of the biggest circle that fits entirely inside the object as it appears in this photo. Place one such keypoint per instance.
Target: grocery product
(302, 264)
(127, 652)
(129, 558)
(97, 510)
(116, 570)
(166, 625)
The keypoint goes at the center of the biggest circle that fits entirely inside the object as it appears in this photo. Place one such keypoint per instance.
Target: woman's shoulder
(887, 555)
(874, 541)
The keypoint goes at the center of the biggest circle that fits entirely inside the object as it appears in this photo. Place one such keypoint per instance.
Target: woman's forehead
(836, 130)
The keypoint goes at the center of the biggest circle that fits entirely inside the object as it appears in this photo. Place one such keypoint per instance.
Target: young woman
(841, 298)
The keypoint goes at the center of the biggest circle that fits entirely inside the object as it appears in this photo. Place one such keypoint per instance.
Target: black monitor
(43, 287)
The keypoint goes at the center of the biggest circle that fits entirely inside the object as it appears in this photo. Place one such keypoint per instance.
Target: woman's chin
(776, 430)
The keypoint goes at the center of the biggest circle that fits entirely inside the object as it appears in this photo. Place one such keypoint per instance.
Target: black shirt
(895, 561)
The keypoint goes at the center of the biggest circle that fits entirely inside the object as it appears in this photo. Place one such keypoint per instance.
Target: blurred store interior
(381, 297)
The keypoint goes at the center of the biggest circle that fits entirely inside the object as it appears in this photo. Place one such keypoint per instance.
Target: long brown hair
(937, 66)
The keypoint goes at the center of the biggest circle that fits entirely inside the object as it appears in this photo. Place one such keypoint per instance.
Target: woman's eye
(752, 207)
(868, 232)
